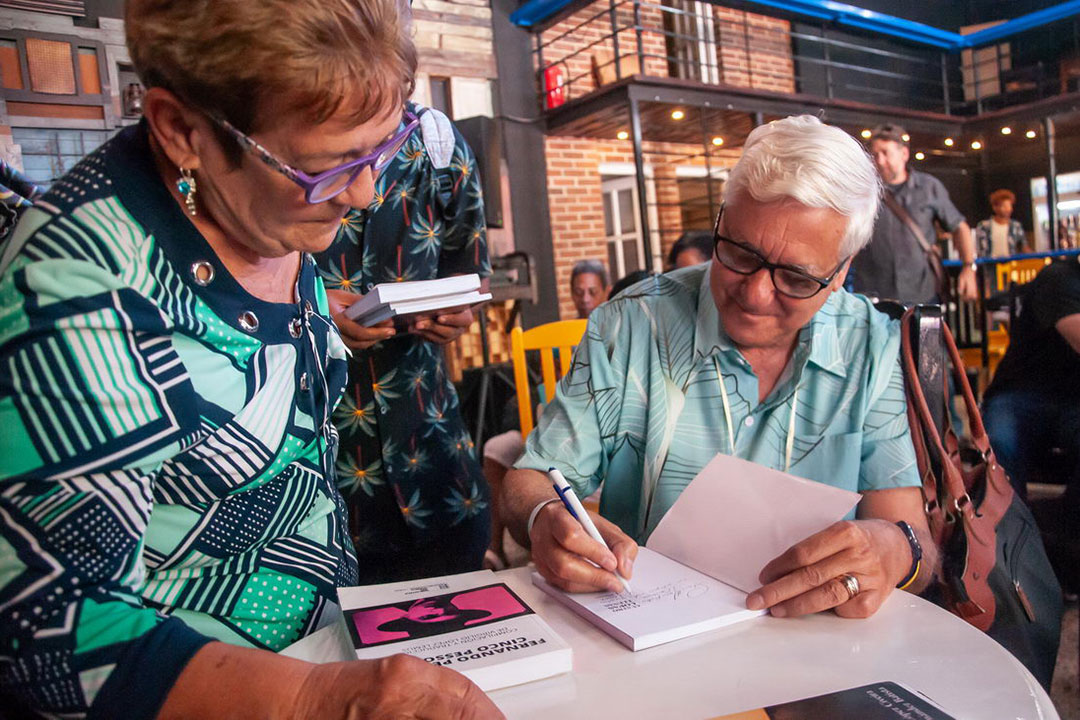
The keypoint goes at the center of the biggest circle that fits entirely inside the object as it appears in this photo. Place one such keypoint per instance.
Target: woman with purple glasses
(168, 512)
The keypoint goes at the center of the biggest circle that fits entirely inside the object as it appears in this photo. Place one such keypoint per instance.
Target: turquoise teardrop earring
(187, 187)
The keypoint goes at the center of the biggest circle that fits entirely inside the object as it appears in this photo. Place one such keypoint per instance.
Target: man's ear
(841, 275)
(176, 129)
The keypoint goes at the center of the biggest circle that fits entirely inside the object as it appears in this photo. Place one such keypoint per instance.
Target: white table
(769, 660)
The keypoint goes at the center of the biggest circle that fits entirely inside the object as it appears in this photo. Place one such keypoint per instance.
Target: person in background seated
(693, 247)
(1033, 403)
(627, 280)
(768, 359)
(1000, 235)
(589, 286)
(168, 513)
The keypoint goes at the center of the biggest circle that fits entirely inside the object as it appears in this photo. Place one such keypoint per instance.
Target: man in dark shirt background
(894, 265)
(1033, 403)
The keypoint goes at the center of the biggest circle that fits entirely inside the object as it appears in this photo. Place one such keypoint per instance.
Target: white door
(693, 42)
(626, 251)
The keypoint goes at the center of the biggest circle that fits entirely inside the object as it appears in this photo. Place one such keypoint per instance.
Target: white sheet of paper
(330, 644)
(735, 516)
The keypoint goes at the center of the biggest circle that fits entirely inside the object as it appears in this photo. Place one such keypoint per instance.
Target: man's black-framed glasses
(787, 280)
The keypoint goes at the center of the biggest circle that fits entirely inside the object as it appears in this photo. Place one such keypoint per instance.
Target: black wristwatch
(916, 555)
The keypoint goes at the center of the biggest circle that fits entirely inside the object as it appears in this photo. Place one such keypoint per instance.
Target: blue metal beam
(535, 12)
(1024, 22)
(880, 23)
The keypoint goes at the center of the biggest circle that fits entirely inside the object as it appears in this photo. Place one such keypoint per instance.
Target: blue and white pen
(574, 507)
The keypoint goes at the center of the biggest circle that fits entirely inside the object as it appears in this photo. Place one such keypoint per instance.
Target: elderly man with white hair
(760, 354)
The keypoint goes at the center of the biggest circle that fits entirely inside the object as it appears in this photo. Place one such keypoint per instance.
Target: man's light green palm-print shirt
(641, 408)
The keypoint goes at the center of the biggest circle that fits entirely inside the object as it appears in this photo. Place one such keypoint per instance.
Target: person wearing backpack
(417, 500)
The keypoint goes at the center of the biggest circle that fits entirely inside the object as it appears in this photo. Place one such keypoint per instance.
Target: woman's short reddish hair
(1002, 195)
(233, 58)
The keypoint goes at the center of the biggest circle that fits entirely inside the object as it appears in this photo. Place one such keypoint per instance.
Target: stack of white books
(418, 297)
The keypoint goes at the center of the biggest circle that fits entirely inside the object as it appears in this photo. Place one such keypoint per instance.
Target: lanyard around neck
(789, 442)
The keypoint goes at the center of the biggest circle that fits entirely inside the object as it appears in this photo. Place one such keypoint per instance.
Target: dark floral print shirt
(407, 466)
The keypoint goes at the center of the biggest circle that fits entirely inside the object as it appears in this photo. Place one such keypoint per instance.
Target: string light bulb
(622, 135)
(866, 133)
(718, 141)
(976, 145)
(920, 155)
(905, 137)
(1006, 130)
(949, 142)
(677, 114)
(1030, 134)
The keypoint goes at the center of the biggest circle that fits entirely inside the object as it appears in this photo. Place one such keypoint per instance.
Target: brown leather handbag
(994, 570)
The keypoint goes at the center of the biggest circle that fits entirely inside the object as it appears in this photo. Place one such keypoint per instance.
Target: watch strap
(916, 555)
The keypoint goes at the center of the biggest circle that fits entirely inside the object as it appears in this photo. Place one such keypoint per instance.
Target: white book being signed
(704, 557)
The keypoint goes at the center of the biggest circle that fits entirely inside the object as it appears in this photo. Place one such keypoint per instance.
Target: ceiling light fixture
(1030, 134)
(718, 141)
(866, 134)
(949, 142)
(976, 145)
(677, 114)
(622, 135)
(920, 155)
(1006, 130)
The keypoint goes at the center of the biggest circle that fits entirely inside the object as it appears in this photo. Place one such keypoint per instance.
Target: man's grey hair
(590, 266)
(802, 159)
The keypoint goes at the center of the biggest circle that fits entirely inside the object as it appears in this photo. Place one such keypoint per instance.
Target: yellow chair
(564, 335)
(1007, 274)
(1018, 272)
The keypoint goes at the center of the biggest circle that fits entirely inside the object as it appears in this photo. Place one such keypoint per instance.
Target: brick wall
(668, 215)
(570, 44)
(576, 201)
(755, 50)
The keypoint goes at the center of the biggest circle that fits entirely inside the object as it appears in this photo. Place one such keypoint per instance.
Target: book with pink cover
(470, 622)
(704, 557)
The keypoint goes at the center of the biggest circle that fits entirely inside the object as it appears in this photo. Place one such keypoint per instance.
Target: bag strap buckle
(958, 504)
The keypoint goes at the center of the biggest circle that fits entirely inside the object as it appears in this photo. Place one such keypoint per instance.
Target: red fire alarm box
(554, 90)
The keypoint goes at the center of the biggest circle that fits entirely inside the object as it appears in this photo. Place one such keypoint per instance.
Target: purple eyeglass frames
(326, 185)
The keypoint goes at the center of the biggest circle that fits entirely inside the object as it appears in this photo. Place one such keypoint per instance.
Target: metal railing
(709, 43)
